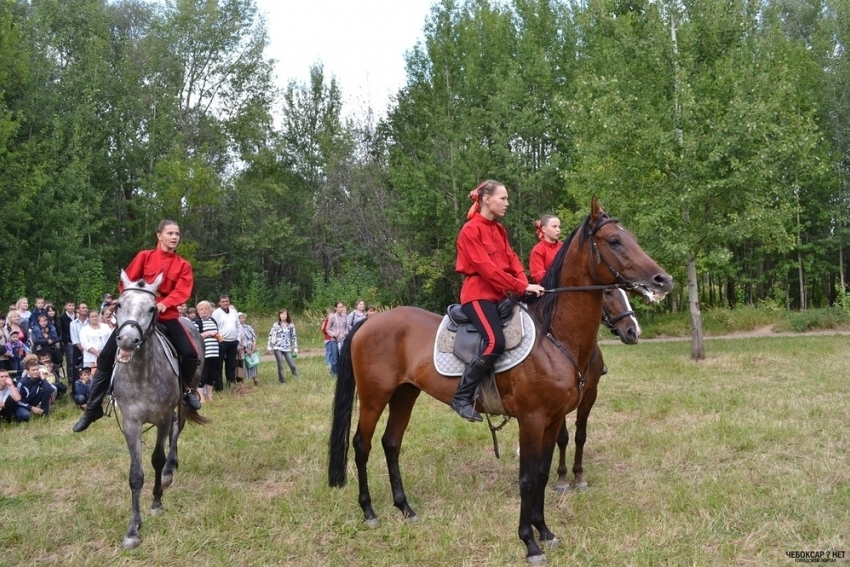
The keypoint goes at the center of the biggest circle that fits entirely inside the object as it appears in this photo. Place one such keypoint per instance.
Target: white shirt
(228, 323)
(93, 338)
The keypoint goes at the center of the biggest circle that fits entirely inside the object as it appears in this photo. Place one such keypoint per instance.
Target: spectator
(5, 355)
(182, 311)
(77, 325)
(248, 344)
(357, 315)
(283, 342)
(43, 335)
(36, 392)
(64, 328)
(338, 330)
(107, 300)
(22, 306)
(211, 374)
(81, 387)
(92, 338)
(227, 318)
(9, 399)
(107, 318)
(39, 309)
(13, 323)
(329, 343)
(52, 316)
(18, 351)
(45, 360)
(370, 310)
(191, 313)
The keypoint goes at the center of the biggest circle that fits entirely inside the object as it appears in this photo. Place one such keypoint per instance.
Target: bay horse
(619, 318)
(387, 360)
(147, 390)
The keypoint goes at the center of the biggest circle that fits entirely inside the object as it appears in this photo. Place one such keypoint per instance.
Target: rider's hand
(161, 307)
(534, 289)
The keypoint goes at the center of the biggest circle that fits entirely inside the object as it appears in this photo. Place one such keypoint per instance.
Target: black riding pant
(174, 330)
(485, 317)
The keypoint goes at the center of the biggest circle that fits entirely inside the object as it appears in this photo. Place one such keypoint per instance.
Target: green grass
(730, 461)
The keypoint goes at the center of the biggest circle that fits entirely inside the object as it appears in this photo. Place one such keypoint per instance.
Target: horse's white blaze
(625, 297)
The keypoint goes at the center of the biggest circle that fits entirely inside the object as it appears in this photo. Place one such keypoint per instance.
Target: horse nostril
(136, 341)
(664, 280)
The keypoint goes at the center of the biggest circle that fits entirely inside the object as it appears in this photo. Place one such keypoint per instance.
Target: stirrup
(466, 410)
(191, 401)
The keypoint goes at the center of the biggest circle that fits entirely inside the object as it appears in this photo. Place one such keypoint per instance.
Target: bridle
(144, 333)
(610, 322)
(595, 251)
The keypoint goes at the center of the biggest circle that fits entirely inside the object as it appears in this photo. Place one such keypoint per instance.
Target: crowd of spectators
(45, 355)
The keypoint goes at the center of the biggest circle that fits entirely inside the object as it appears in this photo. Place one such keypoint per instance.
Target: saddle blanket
(520, 335)
(170, 353)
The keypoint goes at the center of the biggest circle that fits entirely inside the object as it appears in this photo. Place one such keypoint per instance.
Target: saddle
(468, 341)
(170, 351)
(455, 339)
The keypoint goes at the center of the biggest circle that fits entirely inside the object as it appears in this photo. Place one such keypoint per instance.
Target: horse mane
(545, 306)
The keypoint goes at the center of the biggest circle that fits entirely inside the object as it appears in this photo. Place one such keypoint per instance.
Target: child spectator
(54, 377)
(43, 334)
(36, 392)
(18, 350)
(82, 386)
(5, 356)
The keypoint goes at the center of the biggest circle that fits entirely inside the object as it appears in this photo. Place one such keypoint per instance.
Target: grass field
(735, 460)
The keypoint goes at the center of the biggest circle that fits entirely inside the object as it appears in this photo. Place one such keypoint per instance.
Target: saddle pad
(513, 333)
(448, 364)
(169, 352)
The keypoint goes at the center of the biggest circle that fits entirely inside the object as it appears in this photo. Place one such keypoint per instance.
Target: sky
(361, 42)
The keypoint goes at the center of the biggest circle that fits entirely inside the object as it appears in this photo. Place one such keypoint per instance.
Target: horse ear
(126, 280)
(595, 208)
(155, 283)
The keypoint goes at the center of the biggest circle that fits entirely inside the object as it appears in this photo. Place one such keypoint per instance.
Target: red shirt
(486, 259)
(541, 258)
(177, 281)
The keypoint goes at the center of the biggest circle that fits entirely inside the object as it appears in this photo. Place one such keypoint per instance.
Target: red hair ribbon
(538, 226)
(473, 195)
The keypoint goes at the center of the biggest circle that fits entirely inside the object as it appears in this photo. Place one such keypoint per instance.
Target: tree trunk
(802, 281)
(697, 337)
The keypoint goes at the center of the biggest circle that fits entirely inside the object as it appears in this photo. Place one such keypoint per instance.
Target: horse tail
(342, 409)
(196, 418)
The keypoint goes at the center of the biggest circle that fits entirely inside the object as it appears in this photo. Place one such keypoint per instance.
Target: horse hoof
(580, 487)
(536, 559)
(157, 511)
(550, 543)
(131, 543)
(167, 480)
(414, 519)
(562, 488)
(373, 522)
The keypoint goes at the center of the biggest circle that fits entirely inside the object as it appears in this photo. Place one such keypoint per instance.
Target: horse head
(135, 314)
(617, 258)
(618, 316)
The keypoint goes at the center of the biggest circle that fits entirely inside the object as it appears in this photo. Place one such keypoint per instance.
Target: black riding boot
(189, 379)
(94, 405)
(474, 372)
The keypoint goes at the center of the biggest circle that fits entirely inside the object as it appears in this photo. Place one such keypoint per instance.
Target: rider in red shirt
(175, 289)
(491, 270)
(548, 232)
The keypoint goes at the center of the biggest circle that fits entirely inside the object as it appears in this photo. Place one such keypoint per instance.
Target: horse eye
(152, 309)
(614, 241)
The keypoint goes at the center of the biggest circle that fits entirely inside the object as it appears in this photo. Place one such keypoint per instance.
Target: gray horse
(147, 390)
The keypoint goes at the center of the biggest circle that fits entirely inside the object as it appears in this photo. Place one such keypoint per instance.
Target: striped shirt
(210, 343)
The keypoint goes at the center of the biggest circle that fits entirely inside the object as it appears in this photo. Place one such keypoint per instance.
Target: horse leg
(133, 437)
(158, 462)
(171, 463)
(362, 443)
(401, 406)
(547, 538)
(582, 414)
(563, 483)
(530, 449)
